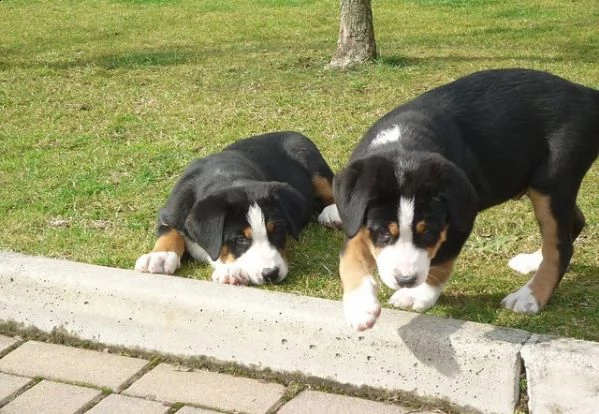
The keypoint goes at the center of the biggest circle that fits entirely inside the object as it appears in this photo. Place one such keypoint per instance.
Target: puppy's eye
(241, 240)
(429, 236)
(383, 237)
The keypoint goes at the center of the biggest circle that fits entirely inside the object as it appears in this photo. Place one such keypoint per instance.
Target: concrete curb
(473, 366)
(562, 375)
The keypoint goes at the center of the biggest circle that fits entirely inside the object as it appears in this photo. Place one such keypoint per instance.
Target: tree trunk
(356, 42)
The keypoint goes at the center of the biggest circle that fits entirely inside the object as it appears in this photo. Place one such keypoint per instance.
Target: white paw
(526, 263)
(420, 298)
(521, 301)
(230, 276)
(361, 305)
(329, 217)
(166, 263)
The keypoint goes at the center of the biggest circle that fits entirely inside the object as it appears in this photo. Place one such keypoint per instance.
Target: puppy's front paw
(329, 217)
(420, 298)
(230, 276)
(521, 301)
(166, 263)
(361, 305)
(526, 263)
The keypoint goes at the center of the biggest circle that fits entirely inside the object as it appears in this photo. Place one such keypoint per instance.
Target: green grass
(103, 103)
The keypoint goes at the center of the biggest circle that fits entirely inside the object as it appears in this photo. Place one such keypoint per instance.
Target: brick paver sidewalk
(38, 377)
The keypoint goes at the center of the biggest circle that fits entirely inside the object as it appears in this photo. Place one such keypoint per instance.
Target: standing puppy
(234, 209)
(414, 184)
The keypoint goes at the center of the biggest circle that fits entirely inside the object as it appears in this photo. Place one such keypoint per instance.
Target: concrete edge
(431, 358)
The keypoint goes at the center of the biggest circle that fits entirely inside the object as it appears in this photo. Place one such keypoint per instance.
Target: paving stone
(51, 398)
(324, 403)
(122, 404)
(194, 410)
(9, 385)
(224, 392)
(71, 364)
(6, 342)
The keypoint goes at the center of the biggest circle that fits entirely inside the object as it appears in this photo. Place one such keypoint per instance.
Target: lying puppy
(414, 184)
(234, 209)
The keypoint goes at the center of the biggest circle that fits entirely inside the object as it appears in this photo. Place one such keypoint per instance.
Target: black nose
(270, 274)
(406, 280)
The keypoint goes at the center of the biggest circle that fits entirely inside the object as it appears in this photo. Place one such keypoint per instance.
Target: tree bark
(356, 42)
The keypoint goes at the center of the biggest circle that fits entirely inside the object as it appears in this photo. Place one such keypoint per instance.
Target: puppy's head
(246, 228)
(404, 208)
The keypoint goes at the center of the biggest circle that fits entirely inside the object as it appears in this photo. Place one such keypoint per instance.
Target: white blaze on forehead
(406, 217)
(255, 218)
(386, 136)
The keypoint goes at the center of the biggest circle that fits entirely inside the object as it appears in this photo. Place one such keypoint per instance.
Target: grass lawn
(104, 102)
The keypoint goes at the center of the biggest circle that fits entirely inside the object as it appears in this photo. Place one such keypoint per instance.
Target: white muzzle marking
(403, 258)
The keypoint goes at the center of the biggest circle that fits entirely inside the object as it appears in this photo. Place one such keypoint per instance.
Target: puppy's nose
(405, 280)
(270, 274)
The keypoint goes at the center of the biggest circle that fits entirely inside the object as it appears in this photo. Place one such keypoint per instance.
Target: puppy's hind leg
(166, 255)
(560, 221)
(529, 262)
(323, 189)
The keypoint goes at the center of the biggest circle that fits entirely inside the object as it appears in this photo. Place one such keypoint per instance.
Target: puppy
(414, 184)
(234, 209)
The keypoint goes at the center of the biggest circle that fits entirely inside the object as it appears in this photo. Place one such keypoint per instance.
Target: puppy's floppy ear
(206, 219)
(357, 185)
(293, 206)
(205, 224)
(460, 196)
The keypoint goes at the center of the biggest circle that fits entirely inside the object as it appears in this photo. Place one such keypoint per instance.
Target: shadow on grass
(398, 61)
(127, 60)
(570, 311)
(180, 56)
(140, 59)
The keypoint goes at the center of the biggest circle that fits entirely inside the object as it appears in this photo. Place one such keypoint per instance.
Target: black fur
(475, 143)
(209, 202)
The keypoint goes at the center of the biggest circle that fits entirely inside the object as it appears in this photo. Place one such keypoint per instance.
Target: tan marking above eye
(270, 227)
(247, 232)
(421, 227)
(393, 228)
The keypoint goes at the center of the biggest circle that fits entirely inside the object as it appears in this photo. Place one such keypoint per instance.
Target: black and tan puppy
(234, 209)
(412, 189)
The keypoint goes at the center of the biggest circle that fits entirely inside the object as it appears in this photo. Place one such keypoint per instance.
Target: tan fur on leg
(171, 241)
